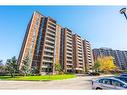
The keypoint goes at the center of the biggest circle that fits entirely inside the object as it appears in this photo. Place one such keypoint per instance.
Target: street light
(123, 11)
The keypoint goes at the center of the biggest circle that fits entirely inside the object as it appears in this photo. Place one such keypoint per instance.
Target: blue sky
(103, 26)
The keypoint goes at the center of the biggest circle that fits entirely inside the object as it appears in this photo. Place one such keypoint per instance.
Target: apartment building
(120, 57)
(46, 44)
(67, 50)
(39, 43)
(104, 52)
(48, 52)
(30, 40)
(78, 55)
(88, 56)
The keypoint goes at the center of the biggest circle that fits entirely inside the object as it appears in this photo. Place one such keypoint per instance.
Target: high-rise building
(39, 43)
(67, 50)
(120, 57)
(88, 56)
(29, 47)
(46, 44)
(78, 54)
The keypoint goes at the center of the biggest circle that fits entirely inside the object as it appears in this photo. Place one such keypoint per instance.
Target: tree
(58, 68)
(1, 62)
(12, 66)
(25, 70)
(2, 68)
(106, 64)
(123, 66)
(96, 66)
(34, 70)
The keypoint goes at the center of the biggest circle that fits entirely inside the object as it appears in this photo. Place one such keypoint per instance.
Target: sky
(103, 26)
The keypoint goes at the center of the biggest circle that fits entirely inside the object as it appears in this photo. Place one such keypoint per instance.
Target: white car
(110, 83)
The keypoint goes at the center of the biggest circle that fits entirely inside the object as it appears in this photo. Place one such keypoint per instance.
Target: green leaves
(58, 68)
(25, 70)
(12, 66)
(96, 66)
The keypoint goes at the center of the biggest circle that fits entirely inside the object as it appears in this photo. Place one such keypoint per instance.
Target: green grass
(39, 78)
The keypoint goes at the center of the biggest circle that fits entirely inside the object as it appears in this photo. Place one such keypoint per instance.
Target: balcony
(80, 47)
(79, 53)
(49, 61)
(69, 51)
(80, 65)
(69, 48)
(69, 59)
(69, 56)
(47, 55)
(79, 42)
(80, 56)
(51, 33)
(70, 64)
(51, 29)
(80, 59)
(49, 37)
(69, 68)
(79, 68)
(69, 45)
(51, 25)
(48, 50)
(52, 42)
(69, 42)
(51, 20)
(47, 45)
(69, 36)
(80, 50)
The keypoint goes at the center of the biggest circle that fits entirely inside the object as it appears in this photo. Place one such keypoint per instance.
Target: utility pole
(123, 11)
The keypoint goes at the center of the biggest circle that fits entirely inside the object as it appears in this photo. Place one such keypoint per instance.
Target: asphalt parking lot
(78, 83)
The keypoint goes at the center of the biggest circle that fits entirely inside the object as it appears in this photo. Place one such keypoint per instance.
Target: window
(101, 81)
(37, 21)
(105, 81)
(123, 79)
(117, 83)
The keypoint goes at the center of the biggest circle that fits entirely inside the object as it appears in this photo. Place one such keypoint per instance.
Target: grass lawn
(38, 78)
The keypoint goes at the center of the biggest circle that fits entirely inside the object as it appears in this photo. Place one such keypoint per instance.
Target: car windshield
(123, 79)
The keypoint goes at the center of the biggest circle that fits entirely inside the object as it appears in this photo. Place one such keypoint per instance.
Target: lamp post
(123, 11)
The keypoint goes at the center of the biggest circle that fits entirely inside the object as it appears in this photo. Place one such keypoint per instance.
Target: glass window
(101, 81)
(107, 81)
(122, 78)
(117, 83)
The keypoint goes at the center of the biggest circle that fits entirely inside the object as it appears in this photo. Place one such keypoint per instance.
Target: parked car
(94, 74)
(110, 83)
(123, 75)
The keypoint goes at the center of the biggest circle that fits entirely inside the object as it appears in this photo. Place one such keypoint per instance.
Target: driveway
(79, 83)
